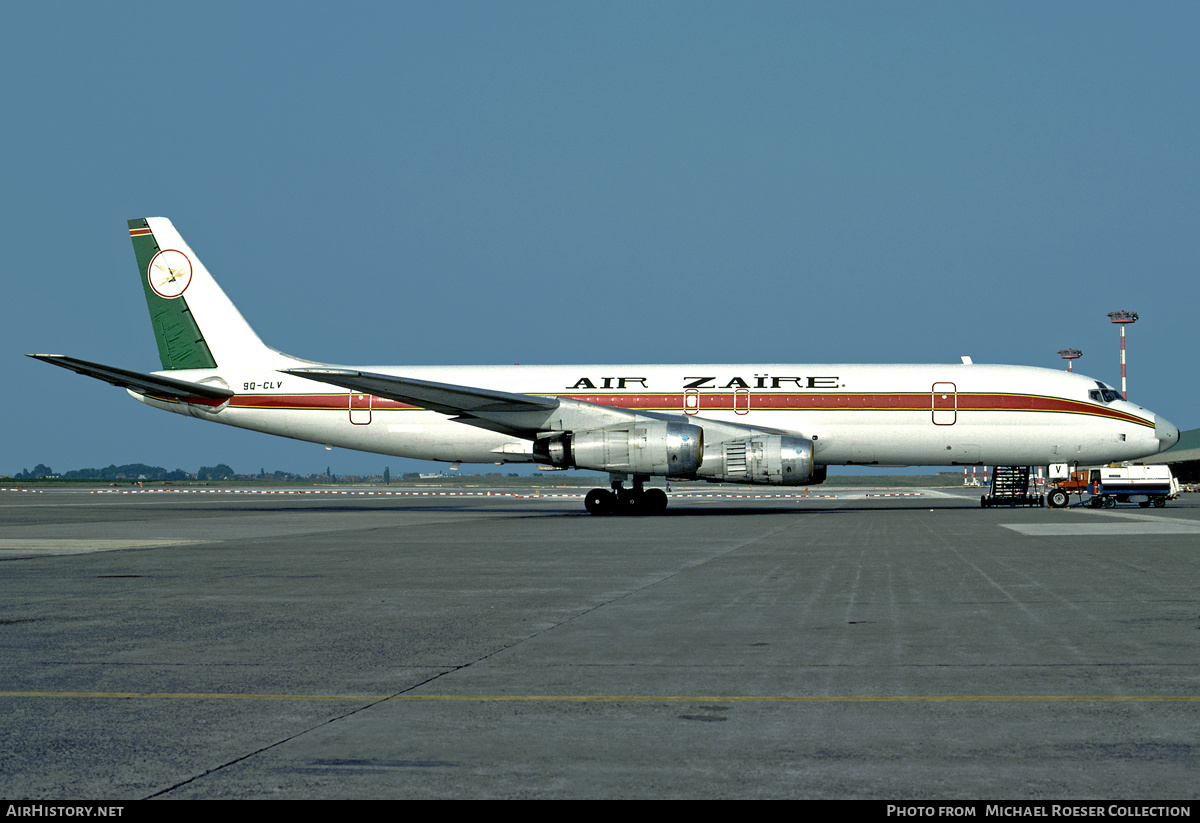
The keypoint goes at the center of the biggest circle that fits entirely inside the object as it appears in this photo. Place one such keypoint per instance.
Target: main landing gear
(621, 500)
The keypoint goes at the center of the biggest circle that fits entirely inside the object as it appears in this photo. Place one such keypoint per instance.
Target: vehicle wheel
(599, 502)
(1057, 499)
(1160, 502)
(1110, 502)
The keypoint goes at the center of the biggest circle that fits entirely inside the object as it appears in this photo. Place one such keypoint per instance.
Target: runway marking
(518, 495)
(62, 546)
(531, 495)
(1122, 523)
(603, 698)
(352, 493)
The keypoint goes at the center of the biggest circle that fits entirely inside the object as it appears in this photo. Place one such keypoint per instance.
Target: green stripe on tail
(180, 342)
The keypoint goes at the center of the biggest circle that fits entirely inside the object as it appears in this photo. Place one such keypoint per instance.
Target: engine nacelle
(771, 459)
(654, 447)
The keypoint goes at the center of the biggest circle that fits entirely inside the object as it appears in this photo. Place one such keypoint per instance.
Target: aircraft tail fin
(195, 324)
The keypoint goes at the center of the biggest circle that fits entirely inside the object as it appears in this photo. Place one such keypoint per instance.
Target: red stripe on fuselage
(312, 402)
(762, 401)
(909, 401)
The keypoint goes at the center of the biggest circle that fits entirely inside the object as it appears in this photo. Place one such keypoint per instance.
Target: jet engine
(653, 447)
(770, 459)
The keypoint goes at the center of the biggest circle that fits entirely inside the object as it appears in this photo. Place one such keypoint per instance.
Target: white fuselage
(856, 414)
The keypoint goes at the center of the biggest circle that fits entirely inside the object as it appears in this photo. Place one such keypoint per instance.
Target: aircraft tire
(599, 502)
(630, 503)
(654, 501)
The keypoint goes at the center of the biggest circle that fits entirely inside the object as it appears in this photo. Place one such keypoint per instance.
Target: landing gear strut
(620, 500)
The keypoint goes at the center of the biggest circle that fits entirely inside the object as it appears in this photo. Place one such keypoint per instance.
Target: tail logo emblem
(169, 273)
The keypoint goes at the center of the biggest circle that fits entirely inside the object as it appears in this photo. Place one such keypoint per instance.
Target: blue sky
(594, 182)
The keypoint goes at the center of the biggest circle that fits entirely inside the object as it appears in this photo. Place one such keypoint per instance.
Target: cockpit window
(1103, 394)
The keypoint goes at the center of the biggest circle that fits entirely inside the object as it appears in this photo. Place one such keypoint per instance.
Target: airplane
(760, 423)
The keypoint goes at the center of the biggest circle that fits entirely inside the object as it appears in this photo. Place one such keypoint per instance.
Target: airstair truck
(1110, 485)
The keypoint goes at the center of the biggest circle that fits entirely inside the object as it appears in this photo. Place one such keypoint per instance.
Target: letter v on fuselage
(761, 423)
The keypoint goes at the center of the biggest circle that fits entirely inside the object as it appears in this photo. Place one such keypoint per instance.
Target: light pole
(1070, 355)
(1123, 318)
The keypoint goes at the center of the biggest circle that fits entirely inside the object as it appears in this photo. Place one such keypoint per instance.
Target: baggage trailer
(1110, 485)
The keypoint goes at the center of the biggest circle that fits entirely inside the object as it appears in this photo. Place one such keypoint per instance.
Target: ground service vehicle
(1110, 485)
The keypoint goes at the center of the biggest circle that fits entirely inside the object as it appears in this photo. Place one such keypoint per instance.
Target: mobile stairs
(1011, 486)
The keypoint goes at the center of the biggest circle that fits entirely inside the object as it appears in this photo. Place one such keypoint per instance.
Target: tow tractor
(1110, 485)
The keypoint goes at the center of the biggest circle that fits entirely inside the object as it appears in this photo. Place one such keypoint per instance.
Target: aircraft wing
(440, 397)
(522, 415)
(168, 388)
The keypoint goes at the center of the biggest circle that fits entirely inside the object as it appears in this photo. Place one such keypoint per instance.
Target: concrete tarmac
(230, 645)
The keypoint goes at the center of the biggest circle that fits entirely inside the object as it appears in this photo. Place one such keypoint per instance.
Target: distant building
(1183, 457)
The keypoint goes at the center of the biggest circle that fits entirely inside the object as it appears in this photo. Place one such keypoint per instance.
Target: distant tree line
(130, 471)
(134, 472)
(140, 471)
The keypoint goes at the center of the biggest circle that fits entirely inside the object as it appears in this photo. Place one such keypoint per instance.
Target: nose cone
(1166, 432)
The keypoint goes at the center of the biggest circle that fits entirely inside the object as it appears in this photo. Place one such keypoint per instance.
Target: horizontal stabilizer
(168, 388)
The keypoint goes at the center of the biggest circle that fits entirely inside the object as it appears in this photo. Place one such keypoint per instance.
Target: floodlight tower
(1123, 318)
(1070, 355)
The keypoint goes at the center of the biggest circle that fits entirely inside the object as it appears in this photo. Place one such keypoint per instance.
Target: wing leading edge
(520, 415)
